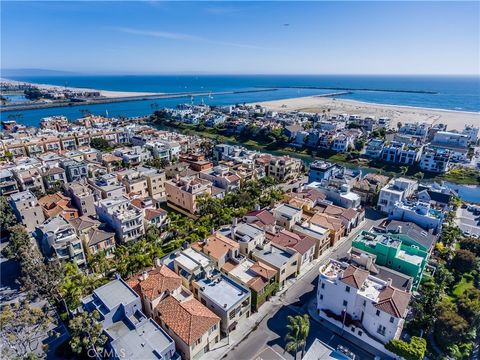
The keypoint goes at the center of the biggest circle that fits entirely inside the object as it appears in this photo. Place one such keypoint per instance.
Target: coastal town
(238, 232)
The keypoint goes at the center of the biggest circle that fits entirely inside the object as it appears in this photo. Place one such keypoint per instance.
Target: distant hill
(34, 72)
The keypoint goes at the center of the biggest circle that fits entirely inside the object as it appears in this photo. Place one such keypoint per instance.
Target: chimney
(257, 207)
(399, 229)
(158, 263)
(144, 275)
(389, 282)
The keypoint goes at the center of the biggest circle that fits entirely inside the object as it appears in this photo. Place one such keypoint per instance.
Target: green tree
(413, 350)
(19, 240)
(450, 328)
(469, 306)
(7, 218)
(86, 332)
(403, 170)
(471, 244)
(100, 144)
(419, 175)
(298, 329)
(23, 328)
(76, 284)
(464, 261)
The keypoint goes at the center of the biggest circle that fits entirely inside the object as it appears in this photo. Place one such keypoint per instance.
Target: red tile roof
(159, 280)
(293, 241)
(354, 276)
(189, 319)
(393, 301)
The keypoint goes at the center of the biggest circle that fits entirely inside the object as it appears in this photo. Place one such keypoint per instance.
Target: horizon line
(200, 73)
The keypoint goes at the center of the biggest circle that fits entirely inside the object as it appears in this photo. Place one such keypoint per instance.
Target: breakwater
(348, 89)
(35, 106)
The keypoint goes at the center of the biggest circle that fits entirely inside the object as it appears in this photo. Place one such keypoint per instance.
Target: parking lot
(468, 222)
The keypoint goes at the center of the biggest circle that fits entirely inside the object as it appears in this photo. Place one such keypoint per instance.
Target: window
(231, 316)
(212, 329)
(364, 303)
(381, 330)
(323, 285)
(345, 302)
(378, 313)
(347, 289)
(391, 319)
(321, 297)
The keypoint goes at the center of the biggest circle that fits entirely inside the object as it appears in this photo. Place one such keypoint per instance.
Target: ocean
(460, 93)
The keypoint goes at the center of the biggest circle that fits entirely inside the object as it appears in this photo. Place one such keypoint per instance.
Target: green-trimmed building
(399, 253)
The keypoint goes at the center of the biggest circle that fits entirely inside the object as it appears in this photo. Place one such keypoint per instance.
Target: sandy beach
(104, 93)
(455, 120)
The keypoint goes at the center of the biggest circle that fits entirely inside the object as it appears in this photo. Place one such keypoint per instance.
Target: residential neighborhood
(186, 243)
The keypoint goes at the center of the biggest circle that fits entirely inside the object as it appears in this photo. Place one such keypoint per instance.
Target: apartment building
(248, 236)
(374, 148)
(367, 307)
(302, 244)
(229, 300)
(194, 328)
(285, 262)
(191, 265)
(418, 212)
(82, 198)
(390, 251)
(95, 236)
(435, 160)
(221, 176)
(29, 179)
(8, 184)
(54, 176)
(107, 186)
(26, 209)
(124, 218)
(222, 250)
(396, 190)
(182, 194)
(284, 168)
(58, 239)
(74, 170)
(287, 216)
(258, 277)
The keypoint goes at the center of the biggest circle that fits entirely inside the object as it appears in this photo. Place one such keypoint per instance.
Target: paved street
(271, 330)
(468, 221)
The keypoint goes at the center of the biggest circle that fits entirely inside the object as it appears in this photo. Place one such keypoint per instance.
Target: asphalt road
(467, 221)
(271, 331)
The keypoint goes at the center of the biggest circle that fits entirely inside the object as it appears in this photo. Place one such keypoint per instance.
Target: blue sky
(242, 37)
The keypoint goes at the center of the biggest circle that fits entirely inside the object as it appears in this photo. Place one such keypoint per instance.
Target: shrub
(414, 350)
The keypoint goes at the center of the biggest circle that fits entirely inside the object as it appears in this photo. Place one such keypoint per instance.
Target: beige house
(194, 328)
(153, 285)
(26, 209)
(182, 194)
(220, 249)
(284, 261)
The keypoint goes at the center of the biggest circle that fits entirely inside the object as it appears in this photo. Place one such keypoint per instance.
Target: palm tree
(304, 323)
(403, 170)
(298, 328)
